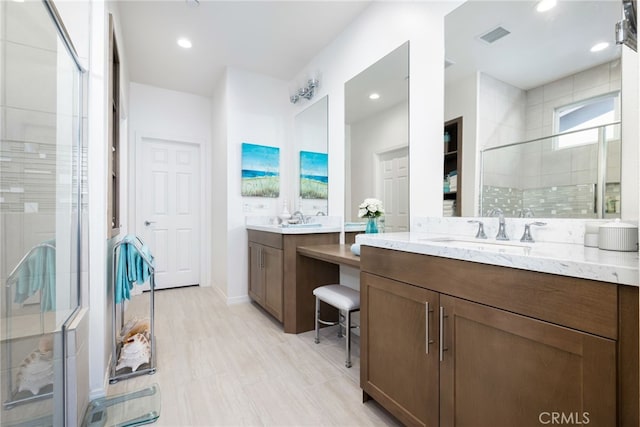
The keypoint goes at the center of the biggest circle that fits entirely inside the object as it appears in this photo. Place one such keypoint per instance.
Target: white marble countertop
(294, 229)
(314, 225)
(566, 259)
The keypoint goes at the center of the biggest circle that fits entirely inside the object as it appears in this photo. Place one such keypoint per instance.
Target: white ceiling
(274, 38)
(542, 47)
(388, 77)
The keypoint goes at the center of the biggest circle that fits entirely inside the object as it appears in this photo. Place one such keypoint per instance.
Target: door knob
(148, 223)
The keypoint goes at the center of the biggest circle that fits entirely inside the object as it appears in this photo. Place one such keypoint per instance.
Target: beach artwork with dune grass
(260, 170)
(314, 180)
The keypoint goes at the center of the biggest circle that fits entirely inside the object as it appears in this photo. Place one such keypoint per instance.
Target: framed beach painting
(260, 170)
(314, 180)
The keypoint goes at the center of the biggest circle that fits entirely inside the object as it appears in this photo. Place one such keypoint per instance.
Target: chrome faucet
(526, 213)
(300, 216)
(480, 234)
(526, 236)
(502, 232)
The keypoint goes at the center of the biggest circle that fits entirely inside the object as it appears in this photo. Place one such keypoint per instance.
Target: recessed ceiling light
(18, 1)
(544, 5)
(374, 96)
(185, 43)
(599, 46)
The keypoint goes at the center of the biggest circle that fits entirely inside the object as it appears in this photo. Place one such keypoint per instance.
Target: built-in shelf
(453, 159)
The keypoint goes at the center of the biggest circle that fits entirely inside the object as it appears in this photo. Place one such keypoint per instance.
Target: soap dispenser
(284, 215)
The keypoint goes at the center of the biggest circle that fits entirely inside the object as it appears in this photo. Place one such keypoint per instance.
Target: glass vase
(372, 226)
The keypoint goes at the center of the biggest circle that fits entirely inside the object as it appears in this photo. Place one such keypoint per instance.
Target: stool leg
(348, 338)
(317, 340)
(340, 323)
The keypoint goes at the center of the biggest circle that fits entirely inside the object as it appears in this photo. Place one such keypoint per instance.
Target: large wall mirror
(377, 139)
(312, 185)
(520, 77)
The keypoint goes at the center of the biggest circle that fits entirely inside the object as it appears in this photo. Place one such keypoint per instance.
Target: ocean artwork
(260, 170)
(314, 180)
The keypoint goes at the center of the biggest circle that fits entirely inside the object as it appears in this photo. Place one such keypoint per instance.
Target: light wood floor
(222, 365)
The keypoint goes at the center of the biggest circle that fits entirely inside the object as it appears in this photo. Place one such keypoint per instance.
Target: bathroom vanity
(282, 281)
(447, 341)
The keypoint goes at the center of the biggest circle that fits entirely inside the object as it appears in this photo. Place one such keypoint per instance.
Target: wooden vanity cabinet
(265, 278)
(503, 369)
(505, 347)
(282, 282)
(401, 365)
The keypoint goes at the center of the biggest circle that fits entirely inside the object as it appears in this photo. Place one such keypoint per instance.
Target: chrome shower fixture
(627, 28)
(305, 92)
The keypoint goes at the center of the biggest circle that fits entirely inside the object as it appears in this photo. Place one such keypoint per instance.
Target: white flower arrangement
(370, 208)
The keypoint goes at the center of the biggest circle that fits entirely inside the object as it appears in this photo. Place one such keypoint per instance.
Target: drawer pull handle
(426, 325)
(442, 349)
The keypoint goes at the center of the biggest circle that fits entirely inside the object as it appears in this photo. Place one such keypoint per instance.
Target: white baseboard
(238, 300)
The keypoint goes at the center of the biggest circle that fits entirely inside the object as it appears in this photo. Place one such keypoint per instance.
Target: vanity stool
(345, 300)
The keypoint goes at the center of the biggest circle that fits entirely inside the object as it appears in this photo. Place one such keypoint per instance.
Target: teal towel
(132, 268)
(38, 273)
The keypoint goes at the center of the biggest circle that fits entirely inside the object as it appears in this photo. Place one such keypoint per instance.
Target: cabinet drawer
(581, 304)
(265, 238)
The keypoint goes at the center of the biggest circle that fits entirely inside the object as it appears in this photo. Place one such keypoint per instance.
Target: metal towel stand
(151, 368)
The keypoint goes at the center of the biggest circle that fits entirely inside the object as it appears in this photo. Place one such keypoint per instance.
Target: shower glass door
(40, 200)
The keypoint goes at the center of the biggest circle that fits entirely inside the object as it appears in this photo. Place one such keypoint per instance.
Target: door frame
(205, 196)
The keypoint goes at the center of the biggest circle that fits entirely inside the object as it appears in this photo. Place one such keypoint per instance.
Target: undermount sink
(506, 246)
(312, 225)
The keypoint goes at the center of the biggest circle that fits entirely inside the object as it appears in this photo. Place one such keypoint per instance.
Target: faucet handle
(480, 234)
(526, 236)
(526, 213)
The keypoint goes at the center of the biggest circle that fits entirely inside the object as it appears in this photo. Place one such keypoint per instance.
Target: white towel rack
(124, 373)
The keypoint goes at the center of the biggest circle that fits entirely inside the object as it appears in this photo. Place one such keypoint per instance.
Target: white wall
(258, 112)
(219, 182)
(630, 133)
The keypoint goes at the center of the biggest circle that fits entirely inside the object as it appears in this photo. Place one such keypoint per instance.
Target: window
(113, 200)
(587, 114)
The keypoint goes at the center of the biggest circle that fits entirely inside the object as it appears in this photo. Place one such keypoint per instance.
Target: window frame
(615, 95)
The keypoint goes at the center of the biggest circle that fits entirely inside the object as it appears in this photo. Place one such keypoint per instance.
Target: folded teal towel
(38, 273)
(132, 268)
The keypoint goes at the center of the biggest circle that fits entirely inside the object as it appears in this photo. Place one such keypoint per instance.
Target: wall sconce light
(305, 92)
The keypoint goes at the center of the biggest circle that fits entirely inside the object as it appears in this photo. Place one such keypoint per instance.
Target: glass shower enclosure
(41, 185)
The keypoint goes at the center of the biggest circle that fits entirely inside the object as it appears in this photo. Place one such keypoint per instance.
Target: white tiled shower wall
(528, 115)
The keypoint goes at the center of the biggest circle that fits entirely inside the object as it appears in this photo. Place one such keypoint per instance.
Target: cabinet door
(503, 369)
(256, 280)
(273, 268)
(399, 360)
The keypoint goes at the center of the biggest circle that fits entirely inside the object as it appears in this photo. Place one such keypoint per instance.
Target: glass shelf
(125, 410)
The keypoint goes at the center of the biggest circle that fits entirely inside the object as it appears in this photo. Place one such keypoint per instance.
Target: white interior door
(393, 167)
(168, 209)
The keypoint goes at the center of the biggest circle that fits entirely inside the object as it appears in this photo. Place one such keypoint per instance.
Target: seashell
(133, 327)
(135, 351)
(35, 371)
(46, 344)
